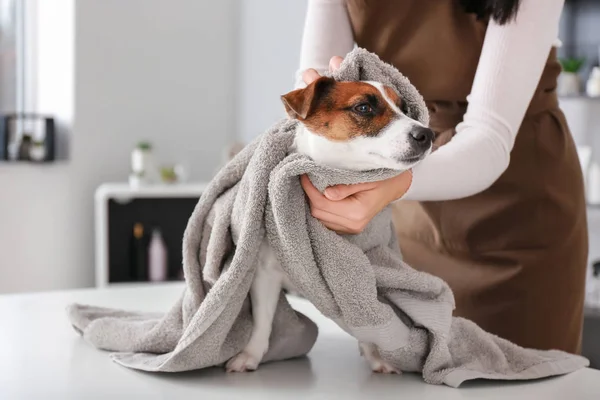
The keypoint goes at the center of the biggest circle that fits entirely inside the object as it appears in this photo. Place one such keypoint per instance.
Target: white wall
(270, 35)
(144, 69)
(38, 205)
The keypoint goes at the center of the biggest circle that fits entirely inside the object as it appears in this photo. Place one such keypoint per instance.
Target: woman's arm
(510, 66)
(327, 33)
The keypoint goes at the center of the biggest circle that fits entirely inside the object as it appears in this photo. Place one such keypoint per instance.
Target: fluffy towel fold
(359, 281)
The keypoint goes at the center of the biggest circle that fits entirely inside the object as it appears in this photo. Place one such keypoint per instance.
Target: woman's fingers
(348, 209)
(335, 227)
(311, 191)
(319, 201)
(340, 192)
(310, 75)
(336, 222)
(335, 63)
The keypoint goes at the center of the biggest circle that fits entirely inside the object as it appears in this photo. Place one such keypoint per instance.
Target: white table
(41, 357)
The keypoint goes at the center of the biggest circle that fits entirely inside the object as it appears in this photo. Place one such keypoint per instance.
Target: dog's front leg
(377, 363)
(264, 294)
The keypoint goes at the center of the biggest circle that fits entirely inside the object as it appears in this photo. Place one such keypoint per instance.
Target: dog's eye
(363, 108)
(404, 108)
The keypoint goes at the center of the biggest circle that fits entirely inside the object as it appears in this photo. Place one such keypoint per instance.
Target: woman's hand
(311, 74)
(349, 208)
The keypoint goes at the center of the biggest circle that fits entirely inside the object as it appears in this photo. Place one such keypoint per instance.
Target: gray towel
(359, 281)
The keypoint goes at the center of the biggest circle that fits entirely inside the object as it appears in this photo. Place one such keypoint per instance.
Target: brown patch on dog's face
(397, 100)
(341, 111)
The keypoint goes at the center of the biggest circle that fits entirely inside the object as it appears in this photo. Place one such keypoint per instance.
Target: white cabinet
(118, 207)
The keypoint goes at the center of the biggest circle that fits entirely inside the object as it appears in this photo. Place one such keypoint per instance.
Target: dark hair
(501, 11)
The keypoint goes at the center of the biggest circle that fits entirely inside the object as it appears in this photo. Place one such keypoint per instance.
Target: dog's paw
(384, 367)
(243, 362)
(370, 352)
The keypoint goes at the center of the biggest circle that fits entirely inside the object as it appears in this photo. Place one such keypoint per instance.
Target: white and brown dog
(349, 125)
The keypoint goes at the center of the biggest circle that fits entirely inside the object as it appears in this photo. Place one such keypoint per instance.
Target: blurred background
(115, 113)
(185, 78)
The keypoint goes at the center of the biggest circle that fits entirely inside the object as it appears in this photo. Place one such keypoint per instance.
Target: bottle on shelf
(139, 253)
(592, 287)
(157, 257)
(593, 83)
(593, 184)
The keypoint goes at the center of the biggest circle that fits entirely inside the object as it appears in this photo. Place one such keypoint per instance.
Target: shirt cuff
(415, 188)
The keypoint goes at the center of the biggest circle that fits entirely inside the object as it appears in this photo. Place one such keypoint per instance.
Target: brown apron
(516, 254)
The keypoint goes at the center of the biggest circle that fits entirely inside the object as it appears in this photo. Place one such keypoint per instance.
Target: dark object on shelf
(591, 328)
(27, 137)
(596, 269)
(138, 253)
(25, 148)
(590, 345)
(3, 144)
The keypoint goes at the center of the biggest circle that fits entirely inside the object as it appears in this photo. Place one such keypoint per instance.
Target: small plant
(168, 174)
(144, 146)
(572, 65)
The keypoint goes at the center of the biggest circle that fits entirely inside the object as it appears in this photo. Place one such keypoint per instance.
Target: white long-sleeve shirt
(511, 63)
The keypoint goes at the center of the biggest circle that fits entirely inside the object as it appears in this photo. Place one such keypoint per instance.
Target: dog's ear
(301, 102)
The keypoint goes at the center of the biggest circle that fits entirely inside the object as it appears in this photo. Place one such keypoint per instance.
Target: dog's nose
(421, 137)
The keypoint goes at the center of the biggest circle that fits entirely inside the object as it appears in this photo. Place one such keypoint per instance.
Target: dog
(357, 126)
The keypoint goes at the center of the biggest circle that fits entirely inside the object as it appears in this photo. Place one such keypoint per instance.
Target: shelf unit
(118, 204)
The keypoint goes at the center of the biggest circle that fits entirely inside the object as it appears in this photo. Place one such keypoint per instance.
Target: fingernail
(332, 193)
